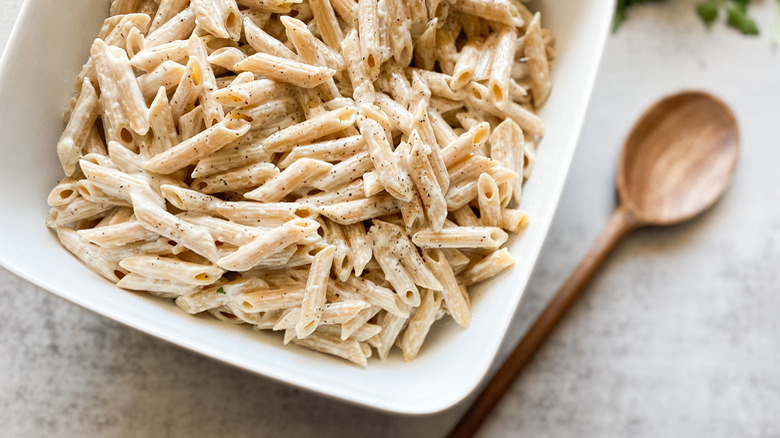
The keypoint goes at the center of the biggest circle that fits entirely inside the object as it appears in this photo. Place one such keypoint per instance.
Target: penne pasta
(286, 70)
(338, 170)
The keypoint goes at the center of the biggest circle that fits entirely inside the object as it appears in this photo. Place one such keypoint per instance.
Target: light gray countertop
(678, 336)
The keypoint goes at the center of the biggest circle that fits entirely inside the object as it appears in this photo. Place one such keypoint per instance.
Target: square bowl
(49, 44)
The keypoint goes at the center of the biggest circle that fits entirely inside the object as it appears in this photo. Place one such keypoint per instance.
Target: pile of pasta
(338, 170)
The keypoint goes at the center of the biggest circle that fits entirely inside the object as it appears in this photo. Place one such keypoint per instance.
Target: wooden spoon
(676, 163)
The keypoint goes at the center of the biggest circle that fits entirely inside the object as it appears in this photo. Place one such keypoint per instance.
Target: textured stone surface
(678, 336)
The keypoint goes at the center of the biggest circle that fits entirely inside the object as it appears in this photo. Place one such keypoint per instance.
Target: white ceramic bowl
(47, 48)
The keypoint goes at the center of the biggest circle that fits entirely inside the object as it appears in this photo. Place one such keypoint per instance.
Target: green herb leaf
(776, 30)
(739, 20)
(620, 15)
(221, 291)
(708, 11)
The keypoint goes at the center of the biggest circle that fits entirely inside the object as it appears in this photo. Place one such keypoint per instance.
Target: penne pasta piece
(179, 27)
(163, 128)
(156, 286)
(246, 177)
(368, 31)
(420, 324)
(313, 304)
(78, 128)
(358, 328)
(227, 58)
(259, 17)
(282, 184)
(503, 11)
(371, 184)
(286, 70)
(332, 314)
(158, 220)
(360, 251)
(268, 214)
(218, 295)
(381, 238)
(423, 131)
(424, 178)
(267, 300)
(461, 237)
(513, 220)
(344, 172)
(489, 201)
(399, 25)
(218, 17)
(488, 267)
(121, 97)
(457, 303)
(63, 193)
(538, 64)
(385, 162)
(89, 254)
(351, 212)
(167, 75)
(391, 328)
(446, 52)
(328, 25)
(188, 90)
(501, 67)
(504, 148)
(174, 270)
(150, 57)
(203, 144)
(112, 236)
(250, 93)
(466, 144)
(312, 51)
(413, 214)
(528, 121)
(465, 65)
(191, 124)
(317, 127)
(329, 150)
(465, 192)
(264, 43)
(362, 86)
(425, 46)
(255, 251)
(167, 10)
(465, 217)
(418, 13)
(212, 111)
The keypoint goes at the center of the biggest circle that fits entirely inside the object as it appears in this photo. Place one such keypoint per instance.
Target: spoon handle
(620, 224)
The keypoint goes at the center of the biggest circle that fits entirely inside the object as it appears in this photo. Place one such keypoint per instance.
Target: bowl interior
(36, 78)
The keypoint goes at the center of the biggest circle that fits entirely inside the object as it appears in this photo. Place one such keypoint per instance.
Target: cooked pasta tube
(78, 128)
(205, 143)
(255, 251)
(489, 201)
(286, 70)
(420, 324)
(313, 304)
(246, 177)
(461, 237)
(490, 266)
(172, 269)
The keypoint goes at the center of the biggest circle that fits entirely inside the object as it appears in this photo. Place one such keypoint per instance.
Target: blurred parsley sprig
(708, 11)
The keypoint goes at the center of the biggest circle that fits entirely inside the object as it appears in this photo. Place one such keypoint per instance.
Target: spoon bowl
(678, 158)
